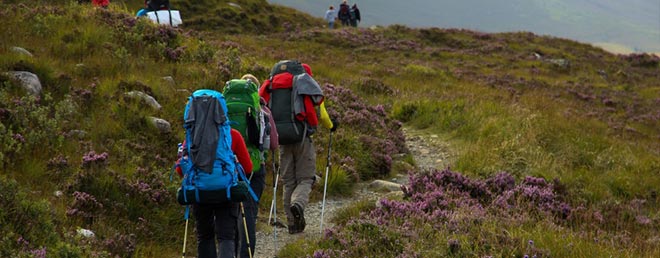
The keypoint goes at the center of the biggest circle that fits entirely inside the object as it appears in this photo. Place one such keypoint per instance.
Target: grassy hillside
(633, 24)
(82, 155)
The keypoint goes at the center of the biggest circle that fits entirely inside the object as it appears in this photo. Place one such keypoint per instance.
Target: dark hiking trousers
(258, 182)
(216, 221)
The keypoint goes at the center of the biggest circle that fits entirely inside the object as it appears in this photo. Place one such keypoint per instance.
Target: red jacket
(102, 3)
(239, 149)
(283, 81)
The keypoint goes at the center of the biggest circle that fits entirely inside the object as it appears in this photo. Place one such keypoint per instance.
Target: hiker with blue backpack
(253, 120)
(212, 165)
(293, 97)
(221, 220)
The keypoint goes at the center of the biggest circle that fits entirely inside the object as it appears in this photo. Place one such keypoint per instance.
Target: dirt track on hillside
(428, 150)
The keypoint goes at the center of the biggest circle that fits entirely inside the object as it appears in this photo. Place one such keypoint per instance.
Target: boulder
(170, 81)
(561, 63)
(385, 185)
(151, 101)
(85, 233)
(162, 125)
(21, 51)
(79, 134)
(28, 80)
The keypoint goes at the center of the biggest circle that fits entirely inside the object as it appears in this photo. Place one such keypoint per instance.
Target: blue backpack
(210, 170)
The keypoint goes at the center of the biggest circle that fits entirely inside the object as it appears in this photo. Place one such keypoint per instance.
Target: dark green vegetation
(82, 155)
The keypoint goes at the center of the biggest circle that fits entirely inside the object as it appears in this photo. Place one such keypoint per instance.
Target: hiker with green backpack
(253, 121)
(294, 96)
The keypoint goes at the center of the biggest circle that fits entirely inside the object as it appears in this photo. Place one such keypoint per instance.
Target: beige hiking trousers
(298, 164)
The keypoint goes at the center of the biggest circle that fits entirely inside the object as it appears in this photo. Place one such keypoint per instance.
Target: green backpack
(244, 111)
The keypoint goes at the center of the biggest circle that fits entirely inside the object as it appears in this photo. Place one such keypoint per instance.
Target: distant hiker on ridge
(344, 13)
(330, 17)
(354, 15)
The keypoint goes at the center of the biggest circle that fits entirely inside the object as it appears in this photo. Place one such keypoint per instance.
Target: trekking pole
(273, 204)
(325, 183)
(276, 175)
(247, 235)
(185, 234)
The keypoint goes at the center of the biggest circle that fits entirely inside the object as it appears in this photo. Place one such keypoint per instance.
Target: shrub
(26, 224)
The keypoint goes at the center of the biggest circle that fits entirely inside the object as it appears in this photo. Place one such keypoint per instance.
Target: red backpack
(292, 96)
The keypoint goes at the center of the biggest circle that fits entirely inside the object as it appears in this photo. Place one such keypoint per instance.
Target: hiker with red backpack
(344, 13)
(293, 97)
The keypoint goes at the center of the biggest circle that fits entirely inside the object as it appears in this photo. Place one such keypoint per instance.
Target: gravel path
(428, 151)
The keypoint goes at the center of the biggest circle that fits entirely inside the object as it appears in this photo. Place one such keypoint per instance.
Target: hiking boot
(298, 219)
(292, 229)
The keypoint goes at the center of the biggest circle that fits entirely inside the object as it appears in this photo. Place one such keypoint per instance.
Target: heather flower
(129, 22)
(320, 254)
(84, 205)
(19, 137)
(174, 54)
(121, 245)
(643, 220)
(501, 182)
(58, 162)
(93, 158)
(22, 241)
(39, 253)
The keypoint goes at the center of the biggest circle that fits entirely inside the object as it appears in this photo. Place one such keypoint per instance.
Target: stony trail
(428, 150)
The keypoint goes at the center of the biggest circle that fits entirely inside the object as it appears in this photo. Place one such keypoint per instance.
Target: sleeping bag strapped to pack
(292, 97)
(210, 169)
(243, 108)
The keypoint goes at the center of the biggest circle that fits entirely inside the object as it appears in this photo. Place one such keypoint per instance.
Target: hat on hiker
(251, 78)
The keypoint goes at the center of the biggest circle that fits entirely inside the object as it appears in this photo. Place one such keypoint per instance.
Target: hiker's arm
(263, 91)
(325, 118)
(240, 150)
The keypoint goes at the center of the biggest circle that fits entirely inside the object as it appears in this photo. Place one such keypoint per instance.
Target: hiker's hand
(335, 124)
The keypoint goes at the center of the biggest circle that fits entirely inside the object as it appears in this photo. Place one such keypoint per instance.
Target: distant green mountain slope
(634, 25)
